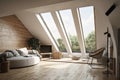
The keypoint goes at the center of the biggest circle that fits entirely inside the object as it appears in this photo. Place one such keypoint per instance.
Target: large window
(52, 28)
(68, 22)
(67, 25)
(88, 25)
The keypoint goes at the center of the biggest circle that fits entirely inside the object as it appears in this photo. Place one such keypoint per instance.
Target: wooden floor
(55, 71)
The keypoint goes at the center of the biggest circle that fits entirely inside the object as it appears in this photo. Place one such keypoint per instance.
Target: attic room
(64, 26)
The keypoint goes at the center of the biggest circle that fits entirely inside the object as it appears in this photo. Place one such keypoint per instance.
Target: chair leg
(91, 63)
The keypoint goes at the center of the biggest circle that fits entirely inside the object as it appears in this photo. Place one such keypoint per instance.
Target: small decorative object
(56, 55)
(75, 58)
(33, 43)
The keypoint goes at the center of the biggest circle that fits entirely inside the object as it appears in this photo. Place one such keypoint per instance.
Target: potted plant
(33, 43)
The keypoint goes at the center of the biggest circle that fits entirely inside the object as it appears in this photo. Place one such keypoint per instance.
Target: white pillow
(24, 50)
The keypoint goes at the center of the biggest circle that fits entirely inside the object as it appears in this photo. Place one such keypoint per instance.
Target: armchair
(97, 54)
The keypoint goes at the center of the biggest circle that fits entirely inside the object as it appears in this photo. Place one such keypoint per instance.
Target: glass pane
(47, 17)
(67, 18)
(87, 19)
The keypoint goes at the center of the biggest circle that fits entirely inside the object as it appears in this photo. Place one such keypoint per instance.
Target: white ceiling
(114, 17)
(9, 7)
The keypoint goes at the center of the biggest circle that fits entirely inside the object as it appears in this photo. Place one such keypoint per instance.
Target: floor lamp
(107, 65)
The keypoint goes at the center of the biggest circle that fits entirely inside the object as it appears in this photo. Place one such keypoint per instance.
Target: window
(88, 25)
(52, 28)
(68, 29)
(69, 26)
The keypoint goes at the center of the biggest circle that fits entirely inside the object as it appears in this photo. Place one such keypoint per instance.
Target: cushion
(9, 54)
(37, 53)
(23, 51)
(34, 52)
(30, 51)
(15, 53)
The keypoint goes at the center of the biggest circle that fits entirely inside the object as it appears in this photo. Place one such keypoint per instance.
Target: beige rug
(69, 60)
(95, 65)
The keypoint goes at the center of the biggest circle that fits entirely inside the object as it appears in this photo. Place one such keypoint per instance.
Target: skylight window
(68, 22)
(88, 25)
(48, 19)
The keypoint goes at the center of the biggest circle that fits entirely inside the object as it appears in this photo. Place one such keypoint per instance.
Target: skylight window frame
(50, 30)
(65, 28)
(64, 34)
(82, 24)
(79, 30)
(46, 30)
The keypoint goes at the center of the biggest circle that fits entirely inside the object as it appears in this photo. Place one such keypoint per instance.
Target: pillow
(34, 51)
(15, 53)
(30, 51)
(37, 53)
(23, 51)
(9, 54)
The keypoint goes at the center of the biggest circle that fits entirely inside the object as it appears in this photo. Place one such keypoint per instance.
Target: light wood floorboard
(55, 71)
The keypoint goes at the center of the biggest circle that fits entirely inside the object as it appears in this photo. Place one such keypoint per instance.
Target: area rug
(69, 60)
(95, 64)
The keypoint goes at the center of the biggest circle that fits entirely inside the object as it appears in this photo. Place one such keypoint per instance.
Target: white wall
(114, 19)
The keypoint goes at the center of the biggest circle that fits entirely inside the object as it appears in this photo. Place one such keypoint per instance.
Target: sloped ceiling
(114, 16)
(33, 25)
(29, 19)
(9, 7)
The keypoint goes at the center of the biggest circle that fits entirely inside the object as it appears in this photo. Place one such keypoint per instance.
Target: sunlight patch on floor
(58, 66)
